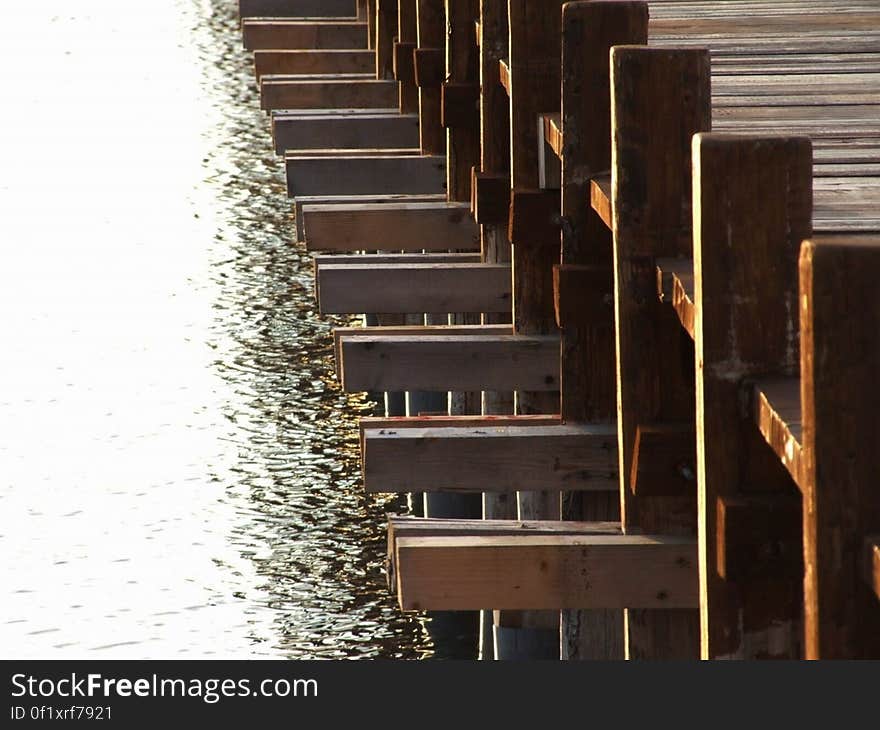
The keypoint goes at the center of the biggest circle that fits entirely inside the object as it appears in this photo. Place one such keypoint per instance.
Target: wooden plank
(546, 572)
(660, 98)
(754, 189)
(273, 34)
(777, 413)
(401, 226)
(492, 421)
(450, 363)
(374, 174)
(406, 288)
(326, 94)
(386, 259)
(459, 458)
(600, 198)
(327, 202)
(344, 131)
(317, 61)
(840, 359)
(409, 331)
(296, 8)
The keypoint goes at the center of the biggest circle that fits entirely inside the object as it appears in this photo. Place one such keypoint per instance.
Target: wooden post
(840, 360)
(752, 209)
(660, 98)
(404, 70)
(460, 98)
(495, 167)
(534, 61)
(587, 377)
(386, 29)
(429, 74)
(371, 24)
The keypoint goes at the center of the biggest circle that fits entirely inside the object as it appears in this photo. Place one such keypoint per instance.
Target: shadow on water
(315, 537)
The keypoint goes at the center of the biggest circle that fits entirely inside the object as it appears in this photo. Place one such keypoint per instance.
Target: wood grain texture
(278, 93)
(377, 173)
(840, 359)
(296, 8)
(660, 99)
(302, 35)
(406, 288)
(317, 61)
(430, 18)
(756, 190)
(459, 458)
(545, 572)
(293, 133)
(449, 363)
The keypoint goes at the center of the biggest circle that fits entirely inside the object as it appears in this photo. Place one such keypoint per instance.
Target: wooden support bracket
(404, 66)
(583, 295)
(534, 217)
(459, 458)
(459, 105)
(664, 460)
(491, 198)
(430, 67)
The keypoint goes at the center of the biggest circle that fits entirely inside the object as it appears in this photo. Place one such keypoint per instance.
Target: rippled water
(178, 468)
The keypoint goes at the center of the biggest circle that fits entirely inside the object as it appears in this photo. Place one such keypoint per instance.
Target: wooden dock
(637, 243)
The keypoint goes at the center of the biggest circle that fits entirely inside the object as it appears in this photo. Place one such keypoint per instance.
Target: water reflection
(178, 470)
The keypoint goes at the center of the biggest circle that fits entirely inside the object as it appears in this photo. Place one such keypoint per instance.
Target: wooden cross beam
(449, 363)
(344, 130)
(364, 172)
(326, 93)
(490, 458)
(297, 8)
(313, 61)
(400, 227)
(267, 34)
(406, 288)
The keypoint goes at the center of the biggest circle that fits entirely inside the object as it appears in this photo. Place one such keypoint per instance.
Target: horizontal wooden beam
(344, 130)
(454, 363)
(414, 226)
(375, 174)
(297, 8)
(412, 331)
(409, 526)
(281, 93)
(260, 34)
(491, 458)
(412, 288)
(336, 259)
(397, 423)
(314, 61)
(331, 202)
(513, 572)
(675, 285)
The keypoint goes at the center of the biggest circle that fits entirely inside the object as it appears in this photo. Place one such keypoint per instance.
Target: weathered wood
(777, 413)
(545, 572)
(296, 8)
(327, 202)
(659, 99)
(675, 286)
(401, 226)
(459, 97)
(305, 35)
(404, 70)
(515, 458)
(840, 359)
(759, 537)
(408, 331)
(386, 30)
(430, 38)
(278, 93)
(755, 192)
(376, 174)
(413, 287)
(318, 61)
(664, 461)
(293, 132)
(441, 363)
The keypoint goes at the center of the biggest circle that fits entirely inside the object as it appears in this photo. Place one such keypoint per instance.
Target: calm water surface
(178, 468)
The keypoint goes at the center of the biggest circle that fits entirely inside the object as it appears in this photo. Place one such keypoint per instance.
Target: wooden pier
(637, 243)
